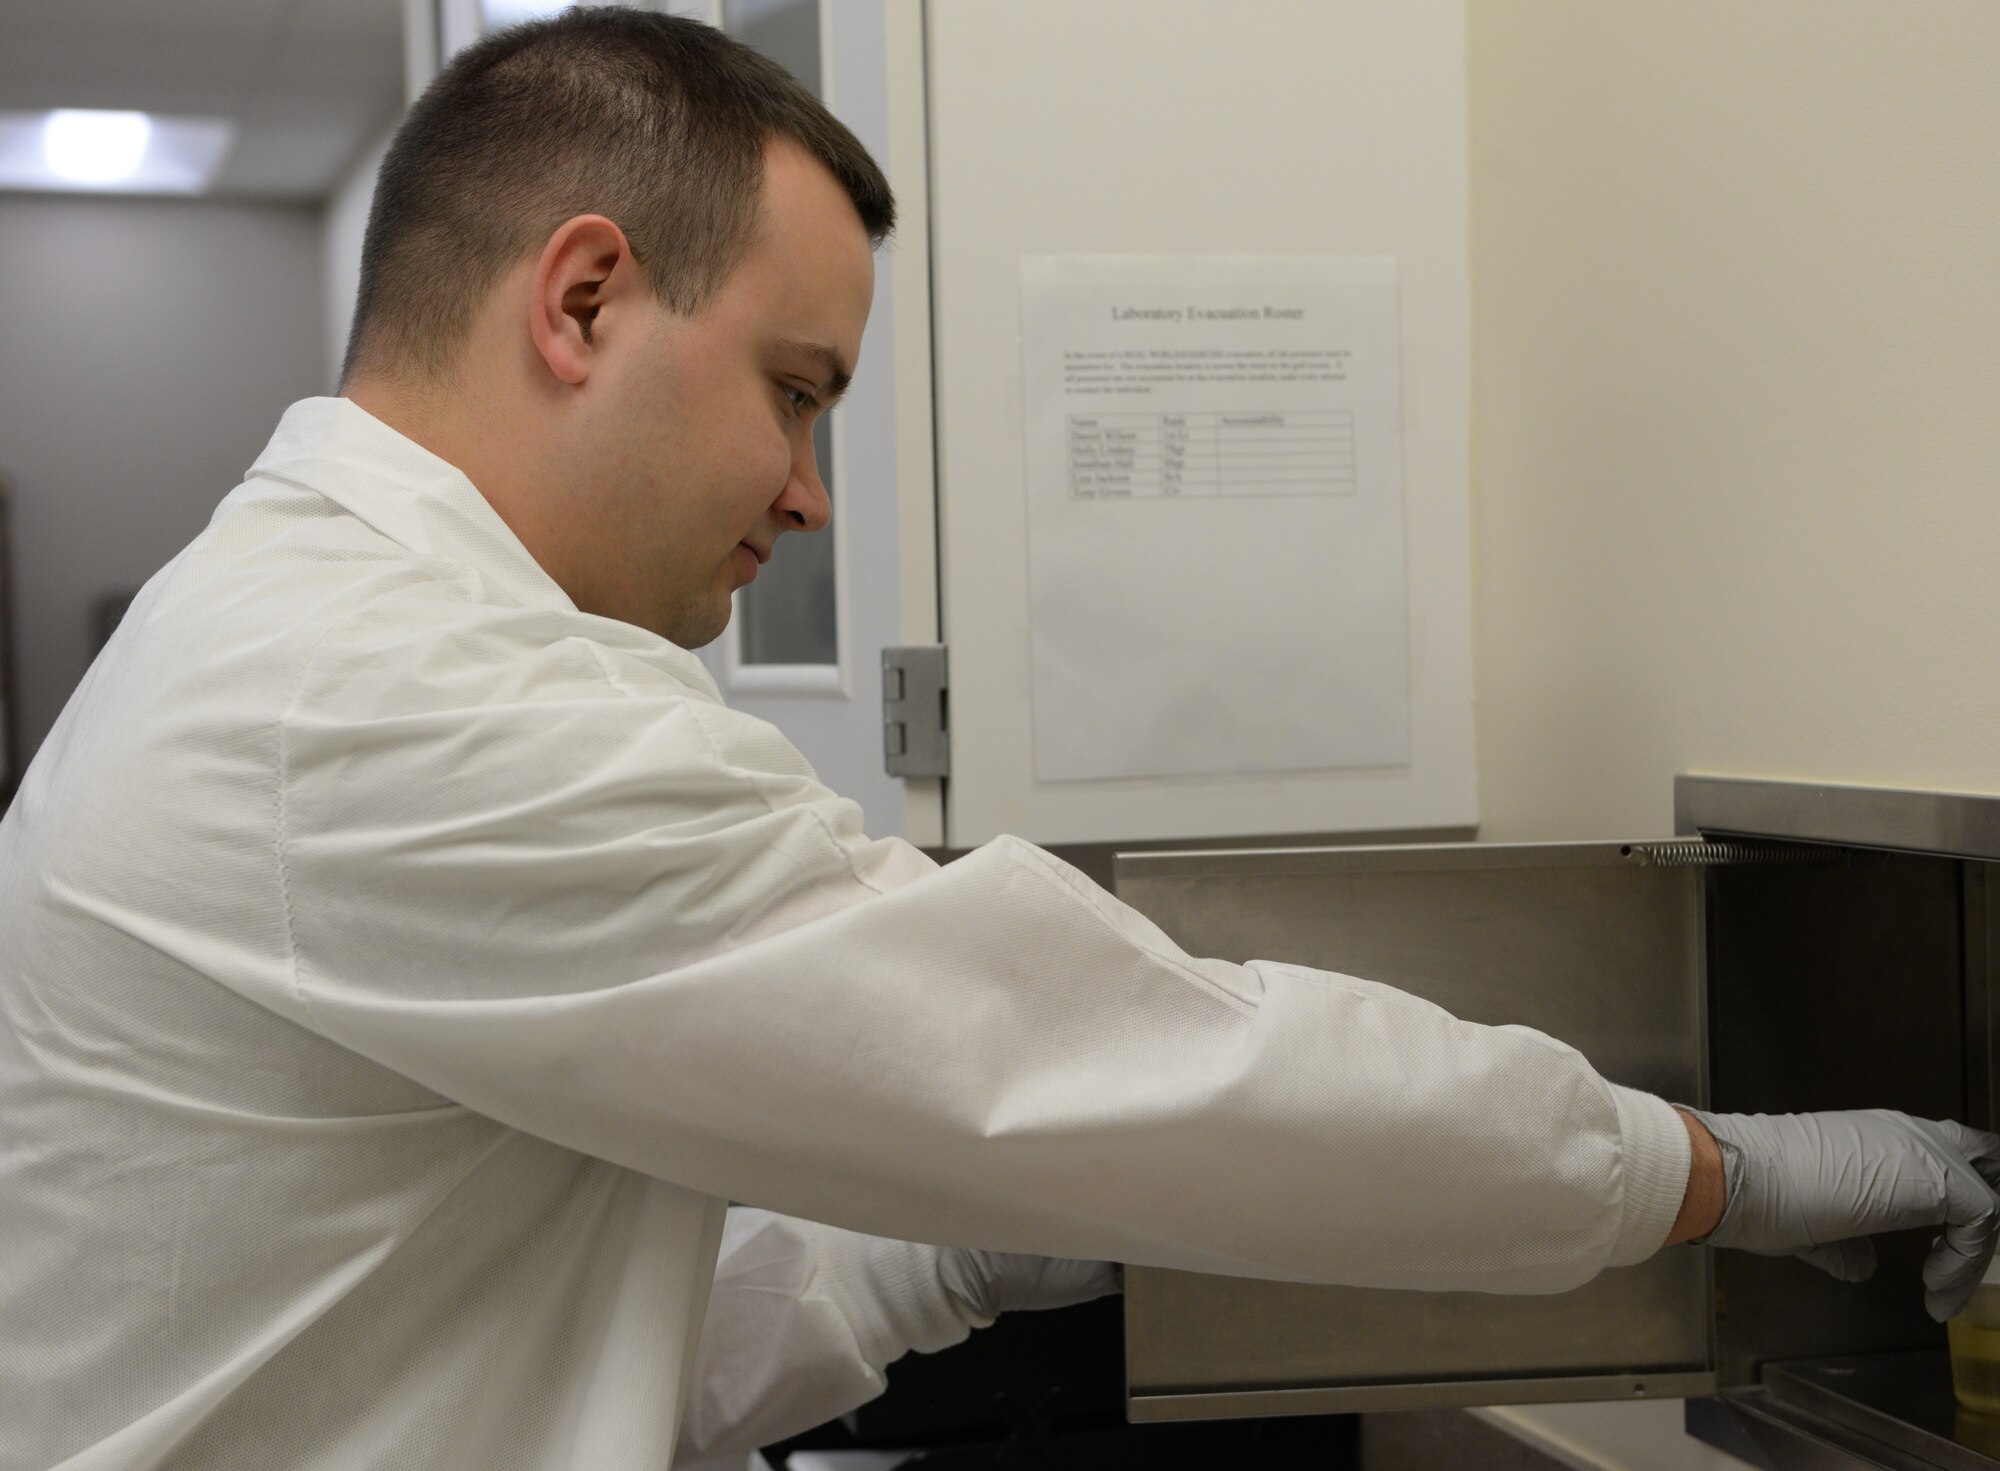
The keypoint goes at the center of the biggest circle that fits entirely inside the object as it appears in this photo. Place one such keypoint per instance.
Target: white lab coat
(401, 969)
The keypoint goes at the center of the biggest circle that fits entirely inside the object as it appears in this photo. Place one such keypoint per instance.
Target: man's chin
(699, 631)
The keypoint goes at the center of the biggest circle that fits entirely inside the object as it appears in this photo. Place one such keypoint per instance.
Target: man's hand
(989, 1283)
(1819, 1184)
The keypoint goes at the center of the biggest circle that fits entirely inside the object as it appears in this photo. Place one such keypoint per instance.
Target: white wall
(346, 220)
(148, 348)
(1736, 407)
(1736, 423)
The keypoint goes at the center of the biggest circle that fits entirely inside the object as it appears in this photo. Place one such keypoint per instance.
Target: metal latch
(916, 739)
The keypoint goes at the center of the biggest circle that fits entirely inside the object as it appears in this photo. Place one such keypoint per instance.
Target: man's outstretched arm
(1701, 1207)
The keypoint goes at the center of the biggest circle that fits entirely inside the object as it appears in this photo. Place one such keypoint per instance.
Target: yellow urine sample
(1975, 1351)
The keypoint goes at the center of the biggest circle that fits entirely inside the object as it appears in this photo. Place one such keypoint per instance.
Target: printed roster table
(1119, 456)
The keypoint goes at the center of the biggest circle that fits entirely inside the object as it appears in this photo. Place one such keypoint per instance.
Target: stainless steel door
(1600, 945)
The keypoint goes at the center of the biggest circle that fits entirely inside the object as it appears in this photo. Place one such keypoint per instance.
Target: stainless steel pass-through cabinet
(1799, 947)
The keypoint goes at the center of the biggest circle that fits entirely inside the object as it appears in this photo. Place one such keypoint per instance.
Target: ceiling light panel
(77, 150)
(498, 14)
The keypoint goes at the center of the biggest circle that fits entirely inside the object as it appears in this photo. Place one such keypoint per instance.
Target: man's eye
(798, 398)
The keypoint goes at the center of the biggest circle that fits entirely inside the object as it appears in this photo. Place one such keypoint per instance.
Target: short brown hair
(656, 122)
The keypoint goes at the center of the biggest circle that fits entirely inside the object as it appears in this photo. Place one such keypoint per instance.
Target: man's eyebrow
(837, 375)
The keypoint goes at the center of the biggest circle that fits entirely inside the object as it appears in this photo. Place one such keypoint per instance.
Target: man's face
(703, 454)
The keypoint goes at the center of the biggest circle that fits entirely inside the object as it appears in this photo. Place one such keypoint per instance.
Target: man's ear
(585, 264)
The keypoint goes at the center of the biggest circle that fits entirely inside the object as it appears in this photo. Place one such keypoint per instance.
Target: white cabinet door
(1192, 127)
(804, 648)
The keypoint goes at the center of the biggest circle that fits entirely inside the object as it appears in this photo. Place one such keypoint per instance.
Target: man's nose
(805, 505)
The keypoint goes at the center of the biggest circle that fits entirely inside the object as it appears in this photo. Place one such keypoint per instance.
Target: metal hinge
(916, 738)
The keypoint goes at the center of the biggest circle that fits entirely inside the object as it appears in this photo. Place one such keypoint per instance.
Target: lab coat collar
(337, 448)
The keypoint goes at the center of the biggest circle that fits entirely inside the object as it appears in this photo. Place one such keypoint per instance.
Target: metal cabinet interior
(1814, 947)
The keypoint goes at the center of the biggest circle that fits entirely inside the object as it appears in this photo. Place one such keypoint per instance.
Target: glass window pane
(789, 615)
(787, 31)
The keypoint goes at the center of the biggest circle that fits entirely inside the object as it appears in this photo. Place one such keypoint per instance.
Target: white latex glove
(990, 1283)
(1817, 1185)
(804, 1319)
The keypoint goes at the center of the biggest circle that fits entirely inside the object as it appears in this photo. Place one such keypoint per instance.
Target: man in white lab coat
(406, 955)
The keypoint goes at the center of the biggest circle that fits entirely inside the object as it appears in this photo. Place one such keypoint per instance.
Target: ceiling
(308, 83)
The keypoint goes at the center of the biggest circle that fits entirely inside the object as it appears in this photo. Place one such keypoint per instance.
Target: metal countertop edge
(1948, 824)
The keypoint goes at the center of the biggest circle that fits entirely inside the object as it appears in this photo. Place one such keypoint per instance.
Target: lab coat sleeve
(801, 1323)
(558, 885)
